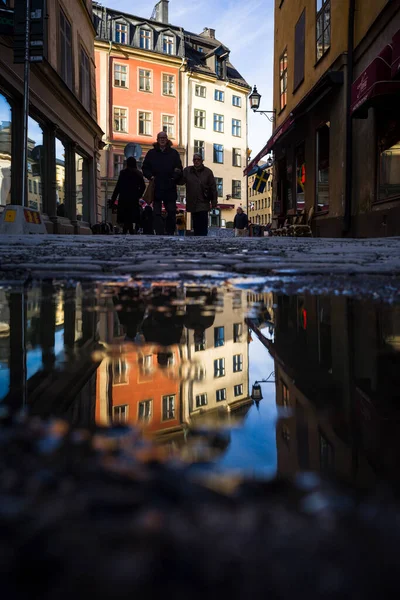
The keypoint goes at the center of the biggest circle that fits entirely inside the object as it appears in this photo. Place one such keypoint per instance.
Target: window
(121, 76)
(201, 400)
(168, 83)
(389, 172)
(219, 367)
(84, 80)
(168, 125)
(30, 186)
(144, 123)
(219, 96)
(118, 164)
(236, 188)
(323, 27)
(237, 332)
(238, 390)
(168, 407)
(237, 363)
(199, 147)
(199, 373)
(200, 90)
(220, 186)
(144, 80)
(236, 128)
(236, 101)
(121, 33)
(145, 410)
(283, 79)
(199, 118)
(219, 336)
(218, 154)
(285, 395)
(199, 341)
(120, 119)
(168, 44)
(219, 123)
(300, 176)
(120, 371)
(323, 167)
(120, 413)
(66, 49)
(219, 67)
(145, 39)
(220, 395)
(236, 157)
(299, 50)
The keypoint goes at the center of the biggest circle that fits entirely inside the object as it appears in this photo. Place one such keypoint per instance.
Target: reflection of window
(236, 188)
(145, 39)
(324, 332)
(200, 90)
(323, 27)
(118, 164)
(220, 186)
(168, 125)
(218, 153)
(30, 186)
(285, 395)
(199, 118)
(219, 123)
(121, 76)
(144, 123)
(144, 413)
(120, 413)
(236, 157)
(237, 332)
(219, 336)
(219, 367)
(219, 96)
(326, 454)
(300, 177)
(199, 147)
(389, 172)
(199, 341)
(120, 371)
(121, 33)
(237, 363)
(283, 79)
(120, 119)
(238, 390)
(144, 80)
(199, 373)
(168, 84)
(201, 400)
(323, 167)
(220, 395)
(168, 405)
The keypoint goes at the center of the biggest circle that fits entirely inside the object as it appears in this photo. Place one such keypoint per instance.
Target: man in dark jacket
(163, 163)
(129, 189)
(240, 222)
(201, 192)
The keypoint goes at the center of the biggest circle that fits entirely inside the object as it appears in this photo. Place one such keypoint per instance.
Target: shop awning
(373, 84)
(396, 55)
(226, 206)
(279, 132)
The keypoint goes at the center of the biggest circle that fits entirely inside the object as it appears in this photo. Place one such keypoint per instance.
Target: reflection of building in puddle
(337, 370)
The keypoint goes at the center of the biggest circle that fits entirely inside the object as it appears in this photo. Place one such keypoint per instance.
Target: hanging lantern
(256, 393)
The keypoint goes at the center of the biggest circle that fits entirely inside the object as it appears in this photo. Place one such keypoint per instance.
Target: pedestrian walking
(201, 194)
(129, 190)
(163, 165)
(147, 218)
(240, 223)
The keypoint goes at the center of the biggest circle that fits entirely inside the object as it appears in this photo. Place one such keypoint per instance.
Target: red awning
(225, 206)
(278, 133)
(396, 55)
(374, 82)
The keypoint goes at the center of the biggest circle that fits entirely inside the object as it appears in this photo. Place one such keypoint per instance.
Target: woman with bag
(129, 190)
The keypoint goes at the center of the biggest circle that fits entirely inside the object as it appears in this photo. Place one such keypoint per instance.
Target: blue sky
(247, 28)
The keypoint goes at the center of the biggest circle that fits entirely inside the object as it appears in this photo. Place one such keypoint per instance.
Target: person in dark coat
(163, 164)
(201, 193)
(240, 222)
(147, 218)
(129, 189)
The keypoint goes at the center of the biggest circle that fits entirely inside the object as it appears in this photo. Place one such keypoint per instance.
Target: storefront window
(5, 151)
(389, 173)
(35, 165)
(300, 177)
(323, 135)
(289, 187)
(60, 177)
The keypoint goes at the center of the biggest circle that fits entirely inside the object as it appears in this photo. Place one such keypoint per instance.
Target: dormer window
(121, 33)
(146, 42)
(168, 44)
(219, 67)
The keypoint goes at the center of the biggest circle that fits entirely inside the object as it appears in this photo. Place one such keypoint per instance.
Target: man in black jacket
(163, 163)
(240, 222)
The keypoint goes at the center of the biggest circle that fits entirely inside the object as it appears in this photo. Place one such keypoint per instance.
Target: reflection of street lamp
(255, 98)
(256, 393)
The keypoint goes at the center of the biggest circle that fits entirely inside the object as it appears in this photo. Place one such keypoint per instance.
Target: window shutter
(299, 50)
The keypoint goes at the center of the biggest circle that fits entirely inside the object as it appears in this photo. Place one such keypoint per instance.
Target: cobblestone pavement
(373, 262)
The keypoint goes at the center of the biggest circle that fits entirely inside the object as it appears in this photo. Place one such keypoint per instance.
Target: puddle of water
(185, 363)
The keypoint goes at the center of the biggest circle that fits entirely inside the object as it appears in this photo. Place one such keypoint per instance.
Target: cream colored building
(260, 204)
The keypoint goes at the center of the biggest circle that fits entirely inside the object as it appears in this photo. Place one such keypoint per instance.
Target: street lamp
(255, 98)
(256, 393)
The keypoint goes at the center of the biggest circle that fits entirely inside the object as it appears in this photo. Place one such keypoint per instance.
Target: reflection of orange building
(141, 386)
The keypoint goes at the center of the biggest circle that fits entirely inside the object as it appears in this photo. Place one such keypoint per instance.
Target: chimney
(209, 33)
(161, 9)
